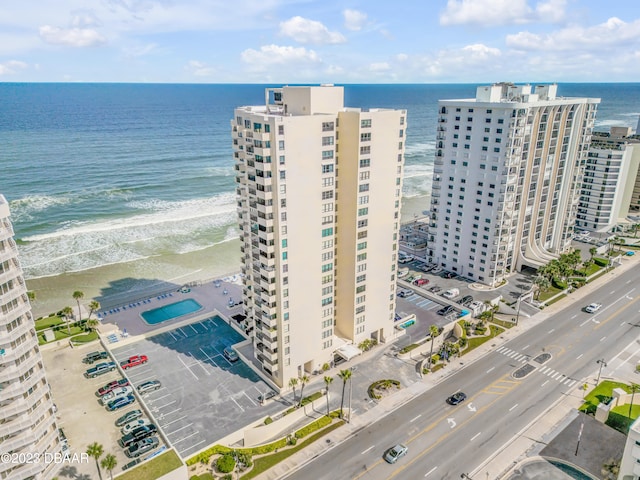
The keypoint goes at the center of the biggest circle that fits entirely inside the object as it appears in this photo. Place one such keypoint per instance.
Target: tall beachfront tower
(610, 189)
(318, 190)
(27, 420)
(507, 176)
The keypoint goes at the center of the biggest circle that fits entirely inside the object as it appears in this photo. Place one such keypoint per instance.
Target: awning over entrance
(348, 351)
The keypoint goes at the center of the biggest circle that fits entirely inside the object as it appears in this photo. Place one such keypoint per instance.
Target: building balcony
(21, 440)
(6, 229)
(15, 313)
(12, 354)
(17, 388)
(8, 253)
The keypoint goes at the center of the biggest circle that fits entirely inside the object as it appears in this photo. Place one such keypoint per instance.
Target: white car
(131, 426)
(593, 308)
(116, 393)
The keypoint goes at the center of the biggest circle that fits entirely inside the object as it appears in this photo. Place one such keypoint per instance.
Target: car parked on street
(111, 385)
(100, 369)
(133, 361)
(120, 402)
(593, 307)
(137, 434)
(94, 357)
(128, 417)
(396, 452)
(457, 398)
(150, 386)
(131, 426)
(143, 446)
(116, 393)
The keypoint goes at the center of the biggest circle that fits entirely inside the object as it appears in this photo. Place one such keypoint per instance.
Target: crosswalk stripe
(544, 369)
(512, 354)
(550, 372)
(572, 383)
(501, 349)
(555, 375)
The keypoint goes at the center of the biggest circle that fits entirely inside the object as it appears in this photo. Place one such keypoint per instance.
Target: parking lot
(79, 410)
(203, 397)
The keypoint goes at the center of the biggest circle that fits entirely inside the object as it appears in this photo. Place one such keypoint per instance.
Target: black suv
(137, 435)
(465, 300)
(446, 310)
(94, 357)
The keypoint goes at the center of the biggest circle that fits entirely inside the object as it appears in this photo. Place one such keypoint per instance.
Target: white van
(402, 272)
(451, 293)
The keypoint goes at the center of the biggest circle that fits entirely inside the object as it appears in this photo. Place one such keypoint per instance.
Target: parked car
(94, 357)
(137, 434)
(437, 269)
(120, 402)
(403, 272)
(451, 293)
(421, 282)
(457, 398)
(100, 369)
(141, 447)
(133, 361)
(230, 354)
(593, 307)
(128, 417)
(111, 385)
(476, 304)
(270, 394)
(465, 300)
(405, 293)
(394, 453)
(446, 310)
(435, 289)
(116, 393)
(132, 464)
(150, 386)
(131, 426)
(448, 275)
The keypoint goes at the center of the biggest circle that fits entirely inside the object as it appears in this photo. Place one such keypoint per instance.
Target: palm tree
(96, 450)
(31, 295)
(610, 469)
(292, 383)
(634, 389)
(344, 375)
(109, 462)
(304, 379)
(67, 312)
(327, 381)
(77, 296)
(542, 283)
(433, 332)
(94, 306)
(592, 252)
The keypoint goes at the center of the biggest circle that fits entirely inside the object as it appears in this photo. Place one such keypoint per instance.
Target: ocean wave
(419, 148)
(24, 208)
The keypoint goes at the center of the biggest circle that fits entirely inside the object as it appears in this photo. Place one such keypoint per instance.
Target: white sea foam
(420, 148)
(24, 208)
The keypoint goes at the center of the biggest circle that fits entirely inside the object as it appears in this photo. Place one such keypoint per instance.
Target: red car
(133, 361)
(111, 385)
(421, 282)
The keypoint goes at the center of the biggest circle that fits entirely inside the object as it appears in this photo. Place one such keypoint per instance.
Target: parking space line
(213, 321)
(208, 357)
(174, 338)
(182, 332)
(201, 365)
(159, 398)
(167, 404)
(234, 401)
(181, 428)
(185, 366)
(173, 421)
(250, 399)
(194, 445)
(172, 411)
(194, 329)
(183, 439)
(204, 325)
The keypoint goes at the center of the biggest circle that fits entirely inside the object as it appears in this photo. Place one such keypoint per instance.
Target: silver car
(396, 452)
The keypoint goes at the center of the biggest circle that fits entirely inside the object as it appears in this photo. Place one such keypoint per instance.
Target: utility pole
(602, 363)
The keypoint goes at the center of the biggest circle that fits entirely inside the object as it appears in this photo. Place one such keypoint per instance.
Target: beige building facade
(318, 190)
(27, 420)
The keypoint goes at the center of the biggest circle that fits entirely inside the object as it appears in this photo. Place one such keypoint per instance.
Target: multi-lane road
(446, 441)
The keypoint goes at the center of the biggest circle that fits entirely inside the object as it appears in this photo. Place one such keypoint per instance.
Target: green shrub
(435, 358)
(408, 348)
(226, 463)
(601, 262)
(326, 367)
(559, 284)
(268, 420)
(227, 477)
(292, 440)
(312, 427)
(204, 457)
(462, 342)
(481, 330)
(310, 398)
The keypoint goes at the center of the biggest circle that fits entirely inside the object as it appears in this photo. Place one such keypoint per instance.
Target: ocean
(117, 189)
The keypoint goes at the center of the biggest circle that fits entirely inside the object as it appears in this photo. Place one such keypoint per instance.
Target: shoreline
(119, 283)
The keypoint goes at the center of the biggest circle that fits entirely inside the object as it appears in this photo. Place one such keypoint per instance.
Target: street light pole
(350, 392)
(602, 364)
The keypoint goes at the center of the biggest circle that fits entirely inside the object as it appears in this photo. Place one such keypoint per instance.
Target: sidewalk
(506, 456)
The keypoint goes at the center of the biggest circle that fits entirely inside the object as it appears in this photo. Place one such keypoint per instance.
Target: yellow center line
(616, 313)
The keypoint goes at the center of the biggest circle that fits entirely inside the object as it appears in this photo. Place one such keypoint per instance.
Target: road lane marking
(623, 323)
(452, 422)
(628, 281)
(603, 338)
(552, 330)
(612, 292)
(475, 436)
(512, 408)
(579, 356)
(573, 317)
(545, 382)
(556, 375)
(492, 368)
(524, 348)
(367, 449)
(431, 471)
(415, 418)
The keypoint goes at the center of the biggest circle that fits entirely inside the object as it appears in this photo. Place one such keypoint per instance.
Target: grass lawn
(154, 468)
(48, 322)
(87, 337)
(475, 342)
(263, 464)
(557, 299)
(600, 393)
(593, 268)
(502, 323)
(62, 334)
(619, 417)
(548, 293)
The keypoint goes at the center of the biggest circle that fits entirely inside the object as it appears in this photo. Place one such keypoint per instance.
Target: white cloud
(11, 67)
(613, 32)
(270, 55)
(379, 67)
(140, 50)
(73, 37)
(354, 19)
(490, 13)
(200, 69)
(480, 51)
(303, 30)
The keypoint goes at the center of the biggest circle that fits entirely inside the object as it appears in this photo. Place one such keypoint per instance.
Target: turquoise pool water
(571, 471)
(171, 311)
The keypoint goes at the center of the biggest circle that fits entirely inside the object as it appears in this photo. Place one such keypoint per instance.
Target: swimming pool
(171, 311)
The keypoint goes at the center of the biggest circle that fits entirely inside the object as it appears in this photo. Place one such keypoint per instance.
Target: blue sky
(297, 41)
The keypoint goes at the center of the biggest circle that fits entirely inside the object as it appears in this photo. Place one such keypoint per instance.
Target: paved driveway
(203, 397)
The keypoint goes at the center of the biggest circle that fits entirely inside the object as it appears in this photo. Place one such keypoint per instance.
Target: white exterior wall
(630, 464)
(505, 175)
(26, 409)
(290, 240)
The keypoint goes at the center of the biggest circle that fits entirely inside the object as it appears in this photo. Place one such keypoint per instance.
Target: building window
(285, 255)
(365, 162)
(328, 126)
(283, 174)
(280, 144)
(366, 150)
(280, 129)
(363, 187)
(366, 174)
(326, 154)
(327, 267)
(362, 223)
(326, 232)
(281, 159)
(365, 137)
(365, 123)
(327, 195)
(361, 257)
(327, 168)
(362, 245)
(363, 200)
(327, 141)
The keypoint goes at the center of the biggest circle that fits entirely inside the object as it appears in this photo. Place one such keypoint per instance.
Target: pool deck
(212, 298)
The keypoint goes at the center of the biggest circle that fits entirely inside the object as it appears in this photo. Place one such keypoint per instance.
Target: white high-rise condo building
(611, 186)
(318, 190)
(27, 419)
(507, 176)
